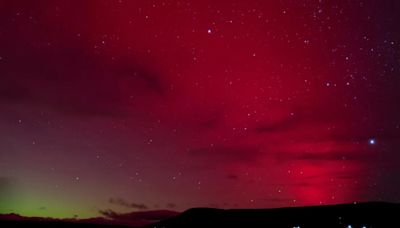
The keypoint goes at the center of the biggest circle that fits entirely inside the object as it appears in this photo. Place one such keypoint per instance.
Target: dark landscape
(200, 113)
(359, 215)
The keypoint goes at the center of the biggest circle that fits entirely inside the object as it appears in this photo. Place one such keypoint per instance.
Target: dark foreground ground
(362, 215)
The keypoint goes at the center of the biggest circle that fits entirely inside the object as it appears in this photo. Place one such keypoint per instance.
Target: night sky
(146, 105)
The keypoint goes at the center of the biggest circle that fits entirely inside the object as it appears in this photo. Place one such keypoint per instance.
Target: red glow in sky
(179, 104)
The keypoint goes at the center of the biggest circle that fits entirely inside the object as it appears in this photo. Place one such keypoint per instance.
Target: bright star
(372, 141)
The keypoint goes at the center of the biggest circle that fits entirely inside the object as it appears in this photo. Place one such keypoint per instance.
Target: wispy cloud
(124, 203)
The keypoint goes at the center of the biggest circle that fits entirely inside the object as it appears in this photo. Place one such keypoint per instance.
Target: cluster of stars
(291, 92)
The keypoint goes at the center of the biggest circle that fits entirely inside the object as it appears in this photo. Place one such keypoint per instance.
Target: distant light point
(209, 31)
(372, 141)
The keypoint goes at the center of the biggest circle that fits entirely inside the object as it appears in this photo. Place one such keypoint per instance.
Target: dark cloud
(66, 77)
(170, 205)
(276, 126)
(320, 156)
(331, 156)
(228, 153)
(138, 218)
(124, 203)
(232, 176)
(305, 115)
(338, 175)
(152, 80)
(211, 120)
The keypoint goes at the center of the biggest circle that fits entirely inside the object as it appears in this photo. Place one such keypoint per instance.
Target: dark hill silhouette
(47, 223)
(110, 219)
(361, 215)
(368, 215)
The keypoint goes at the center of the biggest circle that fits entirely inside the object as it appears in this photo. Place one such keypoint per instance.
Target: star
(231, 94)
(372, 141)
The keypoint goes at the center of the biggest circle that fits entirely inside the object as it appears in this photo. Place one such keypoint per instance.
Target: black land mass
(60, 224)
(368, 215)
(360, 215)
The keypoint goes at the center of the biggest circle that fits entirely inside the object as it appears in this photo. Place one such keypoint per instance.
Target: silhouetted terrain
(376, 215)
(109, 219)
(362, 215)
(52, 223)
